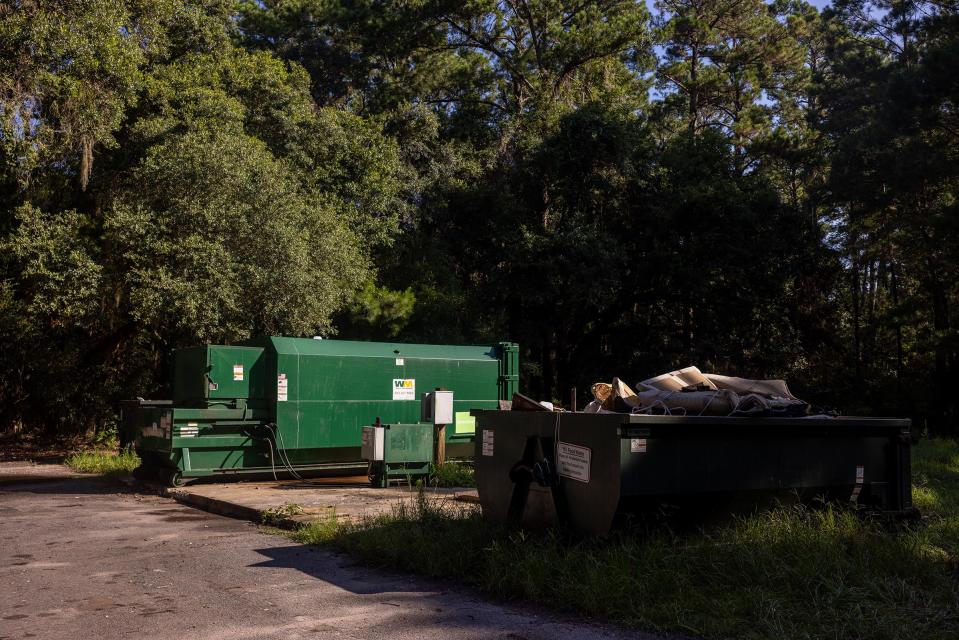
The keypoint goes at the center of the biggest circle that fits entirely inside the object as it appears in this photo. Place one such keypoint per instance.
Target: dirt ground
(25, 447)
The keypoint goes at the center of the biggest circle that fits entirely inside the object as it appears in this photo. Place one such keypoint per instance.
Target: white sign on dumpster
(573, 461)
(404, 389)
(488, 442)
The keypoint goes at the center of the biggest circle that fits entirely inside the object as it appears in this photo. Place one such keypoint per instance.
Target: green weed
(106, 438)
(275, 515)
(452, 474)
(103, 463)
(322, 531)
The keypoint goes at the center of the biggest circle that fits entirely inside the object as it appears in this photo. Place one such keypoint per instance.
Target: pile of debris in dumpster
(690, 392)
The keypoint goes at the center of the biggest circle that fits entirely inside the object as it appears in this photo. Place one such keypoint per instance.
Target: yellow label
(465, 423)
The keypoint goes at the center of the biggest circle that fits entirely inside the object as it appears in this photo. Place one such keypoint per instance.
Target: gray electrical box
(437, 407)
(371, 447)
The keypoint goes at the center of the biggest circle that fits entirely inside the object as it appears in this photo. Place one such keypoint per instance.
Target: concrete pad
(20, 472)
(347, 499)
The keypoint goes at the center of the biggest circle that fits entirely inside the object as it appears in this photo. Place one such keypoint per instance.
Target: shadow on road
(95, 485)
(329, 568)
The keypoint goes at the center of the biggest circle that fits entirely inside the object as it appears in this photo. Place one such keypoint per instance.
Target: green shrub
(108, 438)
(452, 474)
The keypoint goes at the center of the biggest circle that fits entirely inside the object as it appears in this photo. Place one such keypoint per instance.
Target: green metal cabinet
(398, 451)
(272, 402)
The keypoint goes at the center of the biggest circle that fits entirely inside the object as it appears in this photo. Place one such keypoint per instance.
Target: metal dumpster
(292, 403)
(582, 469)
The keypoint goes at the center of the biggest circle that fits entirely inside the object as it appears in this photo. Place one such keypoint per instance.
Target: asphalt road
(82, 559)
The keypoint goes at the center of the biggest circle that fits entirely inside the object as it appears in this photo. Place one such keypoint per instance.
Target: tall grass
(104, 463)
(793, 572)
(452, 474)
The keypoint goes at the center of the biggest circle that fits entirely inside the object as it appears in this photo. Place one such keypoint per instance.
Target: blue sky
(819, 4)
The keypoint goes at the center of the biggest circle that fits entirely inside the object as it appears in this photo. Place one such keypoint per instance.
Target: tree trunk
(894, 287)
(854, 290)
(693, 90)
(688, 330)
(944, 403)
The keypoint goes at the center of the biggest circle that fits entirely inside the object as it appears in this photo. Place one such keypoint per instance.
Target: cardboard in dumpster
(689, 391)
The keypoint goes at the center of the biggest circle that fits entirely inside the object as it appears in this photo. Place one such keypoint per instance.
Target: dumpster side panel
(408, 443)
(334, 388)
(586, 489)
(509, 370)
(828, 459)
(502, 438)
(217, 372)
(591, 500)
(618, 462)
(151, 427)
(238, 372)
(189, 379)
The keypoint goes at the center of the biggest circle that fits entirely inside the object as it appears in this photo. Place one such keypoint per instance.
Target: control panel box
(437, 407)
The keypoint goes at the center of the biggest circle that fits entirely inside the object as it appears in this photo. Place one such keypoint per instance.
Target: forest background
(760, 189)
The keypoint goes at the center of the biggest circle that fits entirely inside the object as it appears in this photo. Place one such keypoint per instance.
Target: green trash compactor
(297, 404)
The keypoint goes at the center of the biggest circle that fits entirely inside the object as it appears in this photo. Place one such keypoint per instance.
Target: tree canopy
(622, 187)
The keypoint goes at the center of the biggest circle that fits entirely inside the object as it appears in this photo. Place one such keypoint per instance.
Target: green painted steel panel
(362, 349)
(238, 372)
(336, 387)
(189, 375)
(408, 443)
(218, 372)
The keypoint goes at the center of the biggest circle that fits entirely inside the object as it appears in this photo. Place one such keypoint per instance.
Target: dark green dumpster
(296, 404)
(543, 468)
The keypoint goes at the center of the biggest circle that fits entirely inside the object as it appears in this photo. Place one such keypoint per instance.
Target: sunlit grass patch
(452, 474)
(103, 463)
